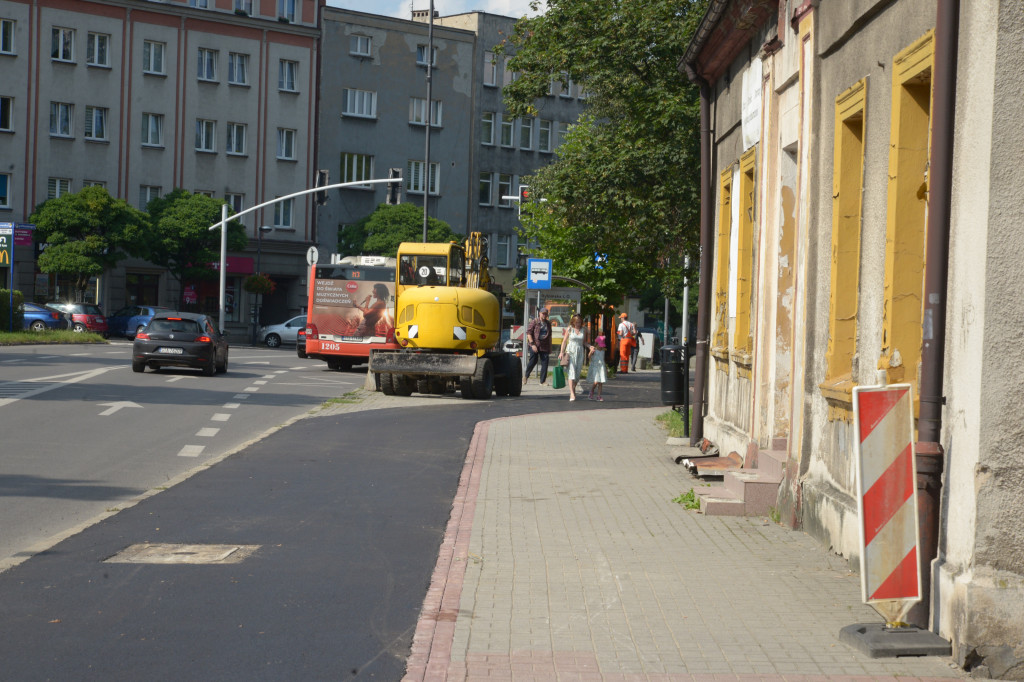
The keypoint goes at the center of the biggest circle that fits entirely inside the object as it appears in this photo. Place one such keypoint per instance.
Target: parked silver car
(286, 332)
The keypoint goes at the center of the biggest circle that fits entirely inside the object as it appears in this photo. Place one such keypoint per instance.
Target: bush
(5, 310)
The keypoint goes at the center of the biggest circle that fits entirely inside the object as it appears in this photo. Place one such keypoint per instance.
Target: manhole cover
(147, 553)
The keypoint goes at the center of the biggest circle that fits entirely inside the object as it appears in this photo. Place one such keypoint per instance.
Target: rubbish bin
(673, 387)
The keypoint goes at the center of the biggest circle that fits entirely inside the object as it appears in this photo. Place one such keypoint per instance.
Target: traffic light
(524, 196)
(323, 178)
(394, 195)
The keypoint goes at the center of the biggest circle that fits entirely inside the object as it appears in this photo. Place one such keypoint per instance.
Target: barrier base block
(878, 641)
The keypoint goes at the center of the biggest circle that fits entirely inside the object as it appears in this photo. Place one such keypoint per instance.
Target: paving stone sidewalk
(566, 559)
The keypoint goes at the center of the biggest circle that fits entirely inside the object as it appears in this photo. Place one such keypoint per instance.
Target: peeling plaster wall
(979, 575)
(856, 39)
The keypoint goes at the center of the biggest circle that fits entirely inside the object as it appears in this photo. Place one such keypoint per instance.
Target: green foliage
(380, 233)
(48, 337)
(689, 500)
(673, 421)
(626, 181)
(259, 283)
(87, 233)
(180, 237)
(6, 323)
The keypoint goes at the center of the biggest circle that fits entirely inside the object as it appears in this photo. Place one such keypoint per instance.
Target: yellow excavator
(448, 325)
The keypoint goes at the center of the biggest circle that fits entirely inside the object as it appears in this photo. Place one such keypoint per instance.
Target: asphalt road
(345, 512)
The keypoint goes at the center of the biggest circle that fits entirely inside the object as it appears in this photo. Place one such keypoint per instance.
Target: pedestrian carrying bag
(558, 377)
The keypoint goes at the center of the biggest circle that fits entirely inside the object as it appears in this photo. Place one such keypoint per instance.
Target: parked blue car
(132, 319)
(39, 318)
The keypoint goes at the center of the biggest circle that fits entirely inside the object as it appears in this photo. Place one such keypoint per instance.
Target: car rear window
(175, 326)
(89, 309)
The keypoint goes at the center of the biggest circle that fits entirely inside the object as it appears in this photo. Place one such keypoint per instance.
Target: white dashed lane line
(220, 417)
(240, 396)
(259, 383)
(252, 389)
(207, 432)
(231, 406)
(191, 451)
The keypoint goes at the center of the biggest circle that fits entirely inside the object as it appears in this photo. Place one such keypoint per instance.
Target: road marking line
(253, 389)
(240, 396)
(255, 362)
(231, 406)
(258, 383)
(76, 377)
(269, 376)
(298, 368)
(15, 360)
(281, 371)
(220, 417)
(191, 451)
(207, 432)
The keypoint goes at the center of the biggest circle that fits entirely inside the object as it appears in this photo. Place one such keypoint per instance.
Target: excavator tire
(515, 378)
(402, 384)
(483, 379)
(386, 385)
(466, 386)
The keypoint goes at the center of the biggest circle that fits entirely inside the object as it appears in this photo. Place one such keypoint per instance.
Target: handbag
(564, 361)
(558, 377)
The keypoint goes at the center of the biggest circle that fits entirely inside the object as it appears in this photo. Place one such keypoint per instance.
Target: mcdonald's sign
(6, 244)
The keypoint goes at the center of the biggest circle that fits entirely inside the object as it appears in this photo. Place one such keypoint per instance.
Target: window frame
(526, 133)
(486, 177)
(57, 187)
(285, 146)
(414, 181)
(89, 130)
(507, 191)
(6, 185)
(56, 119)
(236, 131)
(503, 250)
(244, 6)
(9, 109)
(148, 121)
(490, 79)
(150, 192)
(150, 48)
(286, 10)
(287, 75)
(206, 65)
(238, 61)
(284, 213)
(235, 200)
(92, 40)
(206, 136)
(66, 40)
(421, 51)
(508, 124)
(356, 167)
(487, 128)
(350, 94)
(7, 36)
(542, 131)
(356, 40)
(417, 111)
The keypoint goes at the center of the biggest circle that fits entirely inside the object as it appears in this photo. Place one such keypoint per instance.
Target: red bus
(351, 309)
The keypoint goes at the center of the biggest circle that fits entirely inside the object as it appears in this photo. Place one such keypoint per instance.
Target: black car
(300, 343)
(180, 340)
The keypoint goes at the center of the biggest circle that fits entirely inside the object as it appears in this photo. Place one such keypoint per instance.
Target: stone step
(757, 489)
(772, 461)
(717, 501)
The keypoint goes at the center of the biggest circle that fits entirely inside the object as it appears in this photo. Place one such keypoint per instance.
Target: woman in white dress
(598, 373)
(574, 340)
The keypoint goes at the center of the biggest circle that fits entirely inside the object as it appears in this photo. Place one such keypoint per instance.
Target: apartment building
(213, 96)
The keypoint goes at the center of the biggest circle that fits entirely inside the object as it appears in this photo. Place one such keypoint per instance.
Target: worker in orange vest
(627, 338)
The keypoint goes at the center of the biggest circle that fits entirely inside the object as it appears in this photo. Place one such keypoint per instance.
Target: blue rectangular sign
(538, 273)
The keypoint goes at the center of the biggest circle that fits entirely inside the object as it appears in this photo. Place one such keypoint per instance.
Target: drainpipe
(707, 215)
(930, 455)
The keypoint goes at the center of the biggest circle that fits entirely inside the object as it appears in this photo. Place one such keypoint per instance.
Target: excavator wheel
(386, 385)
(483, 379)
(515, 378)
(466, 386)
(402, 384)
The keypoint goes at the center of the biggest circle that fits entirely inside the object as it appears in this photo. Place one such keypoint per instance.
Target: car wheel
(301, 353)
(38, 326)
(138, 366)
(223, 367)
(78, 328)
(210, 368)
(273, 340)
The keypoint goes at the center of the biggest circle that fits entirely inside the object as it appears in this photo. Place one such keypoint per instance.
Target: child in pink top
(598, 373)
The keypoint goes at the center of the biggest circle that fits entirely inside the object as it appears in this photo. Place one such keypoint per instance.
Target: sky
(401, 8)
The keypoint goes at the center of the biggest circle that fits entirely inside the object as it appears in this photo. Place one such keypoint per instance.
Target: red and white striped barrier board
(883, 419)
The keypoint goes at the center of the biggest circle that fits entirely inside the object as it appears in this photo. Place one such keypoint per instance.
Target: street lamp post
(259, 297)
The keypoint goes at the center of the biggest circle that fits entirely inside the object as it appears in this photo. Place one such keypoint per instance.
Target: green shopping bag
(558, 377)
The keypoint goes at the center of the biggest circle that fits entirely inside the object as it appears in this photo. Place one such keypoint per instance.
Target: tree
(626, 180)
(380, 233)
(181, 239)
(86, 234)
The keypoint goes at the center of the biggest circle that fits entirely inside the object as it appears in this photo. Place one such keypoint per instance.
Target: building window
(847, 186)
(153, 130)
(97, 49)
(7, 114)
(487, 129)
(152, 57)
(359, 45)
(283, 214)
(204, 192)
(486, 189)
(356, 168)
(62, 45)
(60, 119)
(563, 132)
(414, 179)
(238, 68)
(566, 86)
(508, 129)
(93, 183)
(544, 135)
(418, 114)
(244, 6)
(526, 133)
(720, 339)
(199, 4)
(236, 139)
(490, 69)
(205, 135)
(286, 144)
(286, 9)
(146, 194)
(286, 75)
(57, 187)
(95, 123)
(6, 36)
(743, 340)
(503, 248)
(504, 190)
(421, 55)
(361, 103)
(206, 69)
(235, 201)
(5, 190)
(907, 206)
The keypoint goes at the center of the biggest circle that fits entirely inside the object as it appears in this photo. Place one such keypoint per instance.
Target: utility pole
(427, 116)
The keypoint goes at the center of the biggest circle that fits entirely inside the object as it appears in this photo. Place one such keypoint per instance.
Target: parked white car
(286, 332)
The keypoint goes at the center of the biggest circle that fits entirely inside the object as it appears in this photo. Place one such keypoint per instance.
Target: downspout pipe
(929, 451)
(707, 214)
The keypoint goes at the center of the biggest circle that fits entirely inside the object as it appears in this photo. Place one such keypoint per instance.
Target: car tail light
(204, 339)
(53, 316)
(311, 332)
(142, 336)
